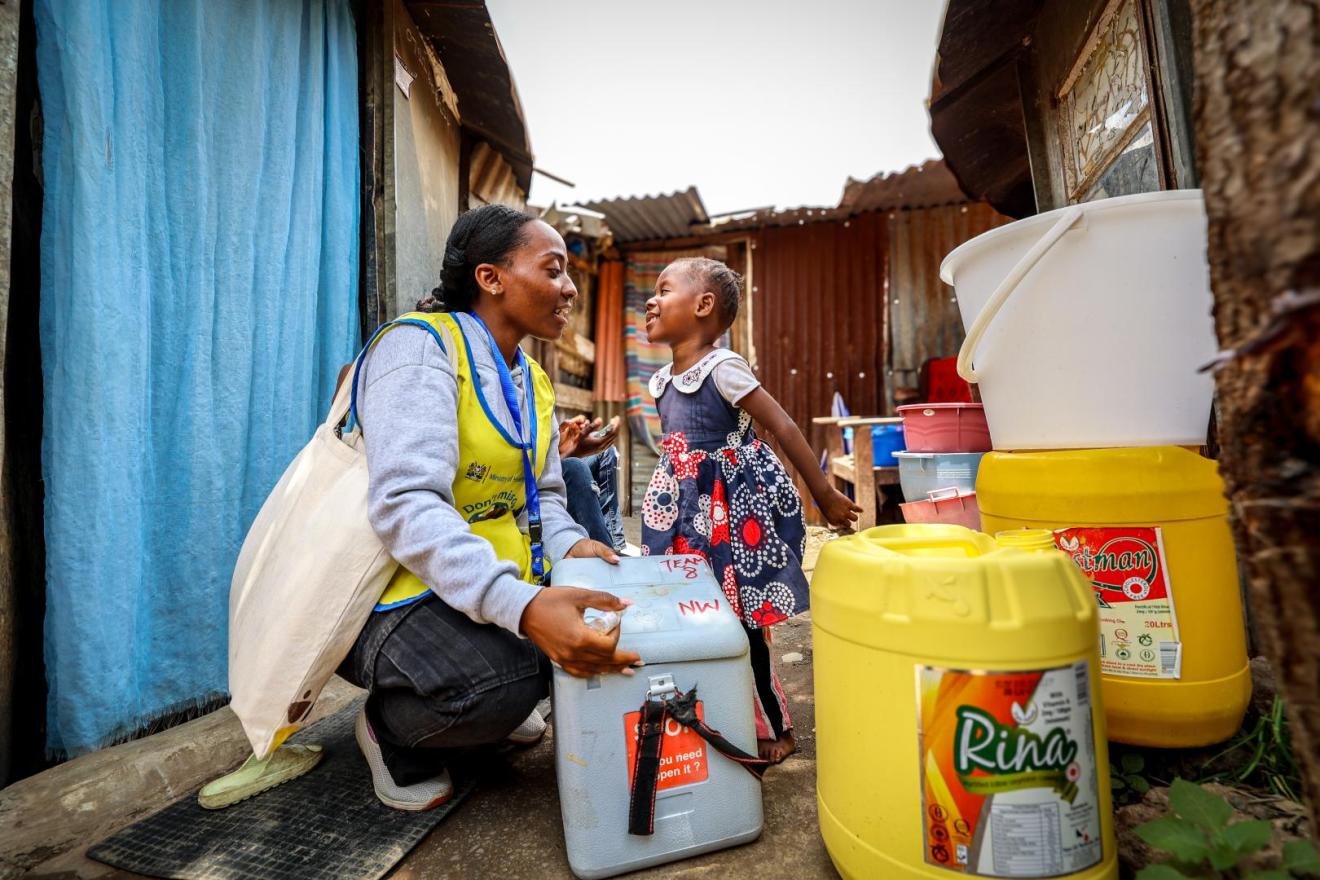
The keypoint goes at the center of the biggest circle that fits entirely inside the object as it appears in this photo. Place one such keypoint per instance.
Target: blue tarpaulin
(198, 295)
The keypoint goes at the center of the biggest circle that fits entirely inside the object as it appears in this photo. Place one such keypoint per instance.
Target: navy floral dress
(721, 493)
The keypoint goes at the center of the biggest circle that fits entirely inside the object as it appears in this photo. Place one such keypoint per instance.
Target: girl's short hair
(720, 280)
(485, 235)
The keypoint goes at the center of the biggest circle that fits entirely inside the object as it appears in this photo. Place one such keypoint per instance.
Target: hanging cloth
(199, 266)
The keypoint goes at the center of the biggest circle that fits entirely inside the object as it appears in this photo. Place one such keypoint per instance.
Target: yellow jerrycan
(958, 722)
(1149, 529)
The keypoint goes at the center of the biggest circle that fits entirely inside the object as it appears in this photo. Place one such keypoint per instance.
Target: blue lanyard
(533, 504)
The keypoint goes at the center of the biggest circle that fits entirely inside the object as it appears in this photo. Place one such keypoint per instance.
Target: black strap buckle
(650, 743)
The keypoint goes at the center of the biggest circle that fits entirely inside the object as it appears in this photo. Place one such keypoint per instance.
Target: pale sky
(756, 102)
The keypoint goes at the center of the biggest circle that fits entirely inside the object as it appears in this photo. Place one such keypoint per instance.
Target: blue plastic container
(885, 441)
(681, 623)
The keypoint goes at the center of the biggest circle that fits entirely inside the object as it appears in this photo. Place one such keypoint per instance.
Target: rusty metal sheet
(818, 304)
(920, 186)
(611, 367)
(924, 321)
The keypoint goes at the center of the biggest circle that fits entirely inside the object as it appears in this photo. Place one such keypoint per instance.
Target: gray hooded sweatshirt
(407, 401)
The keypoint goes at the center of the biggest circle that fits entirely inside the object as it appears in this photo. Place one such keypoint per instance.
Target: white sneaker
(529, 733)
(425, 795)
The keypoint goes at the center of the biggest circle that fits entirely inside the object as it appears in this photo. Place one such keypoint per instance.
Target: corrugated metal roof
(647, 218)
(491, 179)
(464, 37)
(927, 185)
(976, 100)
(768, 217)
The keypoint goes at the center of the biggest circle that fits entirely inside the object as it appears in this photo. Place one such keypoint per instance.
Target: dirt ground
(510, 827)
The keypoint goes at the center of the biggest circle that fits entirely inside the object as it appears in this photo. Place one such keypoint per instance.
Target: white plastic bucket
(920, 473)
(1089, 325)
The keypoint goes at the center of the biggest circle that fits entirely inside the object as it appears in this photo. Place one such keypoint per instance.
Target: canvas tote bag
(308, 576)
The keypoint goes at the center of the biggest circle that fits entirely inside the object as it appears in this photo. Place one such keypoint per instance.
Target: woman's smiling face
(538, 292)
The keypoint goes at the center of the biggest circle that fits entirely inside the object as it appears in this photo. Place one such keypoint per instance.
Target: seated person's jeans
(592, 485)
(441, 683)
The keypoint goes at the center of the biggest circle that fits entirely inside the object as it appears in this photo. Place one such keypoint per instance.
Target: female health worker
(467, 493)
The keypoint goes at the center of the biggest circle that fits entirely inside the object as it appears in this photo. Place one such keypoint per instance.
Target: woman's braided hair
(485, 235)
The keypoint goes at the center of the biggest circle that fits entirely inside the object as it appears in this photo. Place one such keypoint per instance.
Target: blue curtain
(198, 295)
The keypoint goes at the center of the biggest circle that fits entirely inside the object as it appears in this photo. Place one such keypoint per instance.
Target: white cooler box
(682, 626)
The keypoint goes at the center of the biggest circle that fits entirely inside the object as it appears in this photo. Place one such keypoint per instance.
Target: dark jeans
(439, 682)
(592, 486)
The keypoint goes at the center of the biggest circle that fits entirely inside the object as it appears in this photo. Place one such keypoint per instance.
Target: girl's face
(673, 313)
(537, 292)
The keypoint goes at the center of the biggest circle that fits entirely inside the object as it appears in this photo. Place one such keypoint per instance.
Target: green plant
(1203, 843)
(1269, 759)
(1127, 774)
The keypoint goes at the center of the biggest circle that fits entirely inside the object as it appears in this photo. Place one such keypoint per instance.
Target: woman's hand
(553, 621)
(587, 548)
(839, 510)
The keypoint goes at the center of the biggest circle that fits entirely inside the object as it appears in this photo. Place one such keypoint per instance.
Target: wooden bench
(840, 468)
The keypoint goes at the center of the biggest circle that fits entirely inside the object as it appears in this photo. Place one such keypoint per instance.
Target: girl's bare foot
(776, 750)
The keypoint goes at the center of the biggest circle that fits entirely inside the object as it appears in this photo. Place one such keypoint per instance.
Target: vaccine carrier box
(681, 624)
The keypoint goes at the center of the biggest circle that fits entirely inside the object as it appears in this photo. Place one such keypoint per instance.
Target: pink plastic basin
(947, 507)
(945, 427)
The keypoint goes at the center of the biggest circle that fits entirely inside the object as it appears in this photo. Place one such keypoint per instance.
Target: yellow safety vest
(488, 483)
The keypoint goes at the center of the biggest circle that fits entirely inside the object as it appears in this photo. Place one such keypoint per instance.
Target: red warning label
(682, 752)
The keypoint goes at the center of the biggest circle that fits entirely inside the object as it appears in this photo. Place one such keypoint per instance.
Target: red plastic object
(945, 427)
(944, 384)
(945, 506)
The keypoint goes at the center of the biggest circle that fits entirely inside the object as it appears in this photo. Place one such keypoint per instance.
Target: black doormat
(327, 824)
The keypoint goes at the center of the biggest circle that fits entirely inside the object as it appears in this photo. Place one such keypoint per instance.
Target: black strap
(646, 766)
(684, 710)
(650, 742)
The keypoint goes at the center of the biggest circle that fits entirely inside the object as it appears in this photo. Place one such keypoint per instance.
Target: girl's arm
(838, 509)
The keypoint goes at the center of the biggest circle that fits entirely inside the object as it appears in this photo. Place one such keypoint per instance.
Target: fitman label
(1008, 772)
(1138, 623)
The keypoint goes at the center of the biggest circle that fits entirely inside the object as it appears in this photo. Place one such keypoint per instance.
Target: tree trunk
(1257, 116)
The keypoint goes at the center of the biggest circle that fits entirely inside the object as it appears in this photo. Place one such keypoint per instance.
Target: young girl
(717, 490)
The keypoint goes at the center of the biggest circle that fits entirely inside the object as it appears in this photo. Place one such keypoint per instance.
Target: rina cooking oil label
(1008, 771)
(1138, 623)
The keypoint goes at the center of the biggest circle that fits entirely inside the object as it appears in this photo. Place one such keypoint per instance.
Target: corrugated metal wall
(611, 365)
(819, 310)
(491, 180)
(923, 314)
